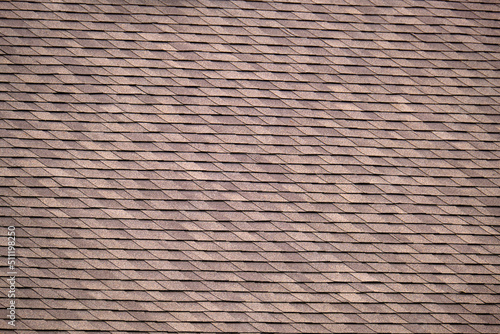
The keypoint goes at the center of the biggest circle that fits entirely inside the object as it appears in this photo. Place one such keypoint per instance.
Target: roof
(313, 166)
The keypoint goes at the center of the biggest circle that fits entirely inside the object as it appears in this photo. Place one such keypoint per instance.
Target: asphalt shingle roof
(313, 166)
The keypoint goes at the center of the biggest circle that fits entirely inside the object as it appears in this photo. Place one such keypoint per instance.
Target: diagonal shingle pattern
(317, 166)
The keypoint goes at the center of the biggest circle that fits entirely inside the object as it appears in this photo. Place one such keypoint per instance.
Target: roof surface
(312, 166)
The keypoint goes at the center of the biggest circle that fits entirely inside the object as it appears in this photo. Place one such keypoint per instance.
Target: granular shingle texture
(201, 166)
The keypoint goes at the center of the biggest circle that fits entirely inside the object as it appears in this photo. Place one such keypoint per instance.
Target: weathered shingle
(252, 166)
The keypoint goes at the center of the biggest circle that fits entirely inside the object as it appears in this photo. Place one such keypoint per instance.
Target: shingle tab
(252, 166)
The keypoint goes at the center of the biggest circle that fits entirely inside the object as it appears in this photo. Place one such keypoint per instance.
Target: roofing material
(252, 166)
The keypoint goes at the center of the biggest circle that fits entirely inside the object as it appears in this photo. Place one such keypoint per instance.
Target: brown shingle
(252, 166)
